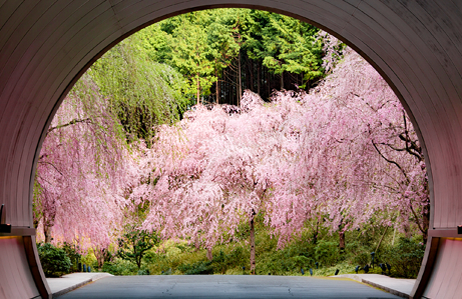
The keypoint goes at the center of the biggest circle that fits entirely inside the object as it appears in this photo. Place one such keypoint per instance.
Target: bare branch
(391, 161)
(45, 162)
(72, 122)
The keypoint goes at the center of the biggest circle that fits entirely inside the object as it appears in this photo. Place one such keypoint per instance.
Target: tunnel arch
(46, 47)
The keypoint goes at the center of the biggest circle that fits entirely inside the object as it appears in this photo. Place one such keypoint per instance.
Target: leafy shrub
(201, 267)
(89, 259)
(222, 261)
(134, 244)
(144, 272)
(362, 259)
(169, 255)
(287, 261)
(73, 255)
(120, 267)
(327, 253)
(55, 261)
(344, 268)
(405, 257)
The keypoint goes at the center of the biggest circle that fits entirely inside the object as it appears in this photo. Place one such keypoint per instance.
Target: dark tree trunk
(425, 223)
(252, 244)
(100, 256)
(316, 233)
(209, 254)
(341, 235)
(239, 89)
(217, 89)
(47, 233)
(258, 78)
(198, 90)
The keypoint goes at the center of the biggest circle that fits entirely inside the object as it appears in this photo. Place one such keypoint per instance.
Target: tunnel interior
(46, 47)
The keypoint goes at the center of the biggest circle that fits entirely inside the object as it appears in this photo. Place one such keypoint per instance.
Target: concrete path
(400, 287)
(225, 286)
(69, 282)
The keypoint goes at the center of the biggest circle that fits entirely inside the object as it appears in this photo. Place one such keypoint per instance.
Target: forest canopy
(222, 52)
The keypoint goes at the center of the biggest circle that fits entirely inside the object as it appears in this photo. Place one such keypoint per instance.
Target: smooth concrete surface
(399, 287)
(69, 282)
(225, 286)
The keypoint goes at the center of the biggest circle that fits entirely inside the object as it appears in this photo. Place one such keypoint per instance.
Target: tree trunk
(316, 233)
(425, 223)
(217, 89)
(341, 235)
(407, 230)
(47, 233)
(36, 223)
(198, 90)
(100, 256)
(394, 234)
(197, 245)
(258, 78)
(252, 244)
(381, 239)
(209, 254)
(138, 256)
(239, 81)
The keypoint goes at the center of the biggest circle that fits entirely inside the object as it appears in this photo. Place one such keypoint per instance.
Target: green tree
(142, 92)
(223, 45)
(54, 260)
(134, 244)
(285, 44)
(225, 41)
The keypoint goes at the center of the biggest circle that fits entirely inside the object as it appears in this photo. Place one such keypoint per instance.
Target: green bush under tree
(55, 261)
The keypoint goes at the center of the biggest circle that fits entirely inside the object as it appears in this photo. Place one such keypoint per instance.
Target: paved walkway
(69, 282)
(400, 287)
(227, 286)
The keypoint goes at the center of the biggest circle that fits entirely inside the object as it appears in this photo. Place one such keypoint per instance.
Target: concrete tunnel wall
(46, 45)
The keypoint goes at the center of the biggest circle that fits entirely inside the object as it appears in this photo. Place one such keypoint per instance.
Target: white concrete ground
(69, 282)
(400, 287)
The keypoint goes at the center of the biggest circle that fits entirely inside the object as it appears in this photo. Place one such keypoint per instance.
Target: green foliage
(142, 92)
(204, 45)
(143, 272)
(362, 259)
(55, 261)
(284, 44)
(405, 258)
(134, 244)
(201, 267)
(37, 208)
(357, 253)
(227, 260)
(220, 264)
(89, 259)
(120, 267)
(343, 267)
(177, 257)
(327, 253)
(74, 256)
(289, 260)
(198, 45)
(170, 255)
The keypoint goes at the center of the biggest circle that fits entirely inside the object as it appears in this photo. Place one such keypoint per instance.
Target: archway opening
(376, 143)
(413, 44)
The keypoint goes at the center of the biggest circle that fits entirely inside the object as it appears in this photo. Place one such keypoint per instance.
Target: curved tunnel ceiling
(46, 45)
